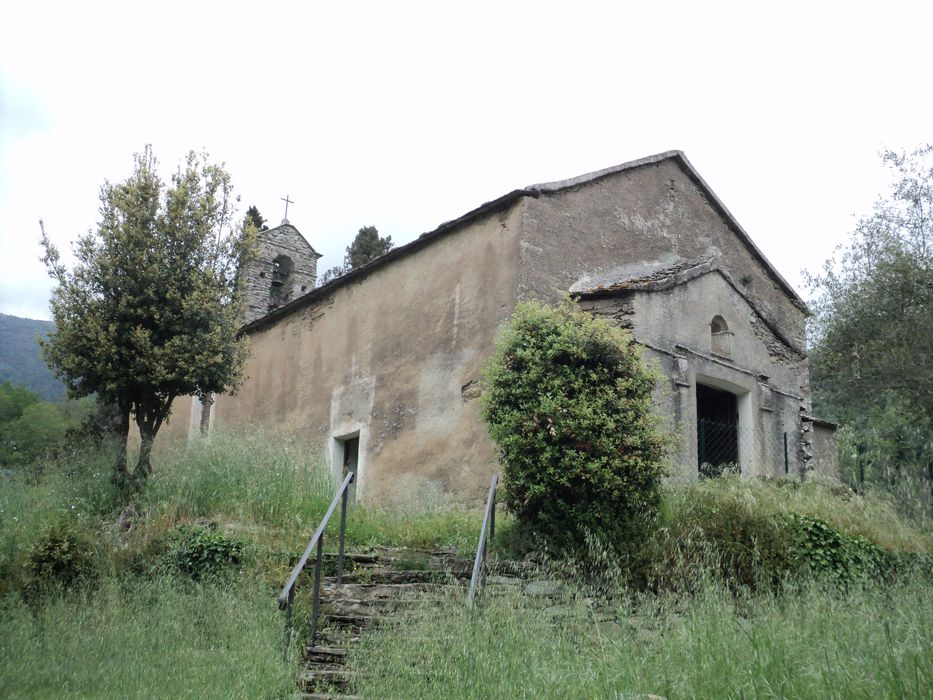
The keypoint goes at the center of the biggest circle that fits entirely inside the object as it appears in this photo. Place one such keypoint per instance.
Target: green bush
(568, 402)
(61, 559)
(753, 534)
(195, 551)
(203, 553)
(822, 550)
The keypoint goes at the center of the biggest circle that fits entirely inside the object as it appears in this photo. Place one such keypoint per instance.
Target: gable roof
(680, 159)
(291, 228)
(661, 278)
(506, 201)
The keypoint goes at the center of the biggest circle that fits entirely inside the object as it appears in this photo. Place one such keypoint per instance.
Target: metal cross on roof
(287, 202)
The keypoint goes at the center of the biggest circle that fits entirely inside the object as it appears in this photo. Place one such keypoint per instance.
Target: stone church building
(381, 369)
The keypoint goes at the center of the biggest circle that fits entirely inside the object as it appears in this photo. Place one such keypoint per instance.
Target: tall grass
(812, 643)
(162, 638)
(873, 516)
(144, 631)
(136, 625)
(276, 482)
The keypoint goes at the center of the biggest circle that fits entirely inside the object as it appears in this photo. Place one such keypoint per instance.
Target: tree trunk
(120, 476)
(149, 417)
(144, 463)
(207, 404)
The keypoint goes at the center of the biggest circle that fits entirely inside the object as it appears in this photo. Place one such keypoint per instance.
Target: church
(381, 369)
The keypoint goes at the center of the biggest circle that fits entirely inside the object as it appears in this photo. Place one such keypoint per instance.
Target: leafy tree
(872, 334)
(150, 310)
(14, 399)
(366, 247)
(568, 402)
(29, 428)
(255, 218)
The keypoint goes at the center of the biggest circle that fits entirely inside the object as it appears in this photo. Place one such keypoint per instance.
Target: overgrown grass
(141, 620)
(141, 638)
(153, 603)
(875, 517)
(815, 642)
(275, 482)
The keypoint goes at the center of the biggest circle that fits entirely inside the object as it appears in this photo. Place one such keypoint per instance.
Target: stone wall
(825, 450)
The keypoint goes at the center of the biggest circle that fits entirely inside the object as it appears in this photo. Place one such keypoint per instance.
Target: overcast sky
(404, 115)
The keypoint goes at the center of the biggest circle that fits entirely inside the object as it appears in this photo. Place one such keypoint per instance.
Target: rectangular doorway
(349, 453)
(717, 430)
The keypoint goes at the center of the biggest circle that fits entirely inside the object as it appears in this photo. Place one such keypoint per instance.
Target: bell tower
(283, 268)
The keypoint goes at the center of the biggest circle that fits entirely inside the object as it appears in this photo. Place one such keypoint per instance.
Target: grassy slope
(813, 643)
(141, 631)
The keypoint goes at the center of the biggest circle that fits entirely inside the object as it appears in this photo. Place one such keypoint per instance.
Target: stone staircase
(387, 586)
(380, 586)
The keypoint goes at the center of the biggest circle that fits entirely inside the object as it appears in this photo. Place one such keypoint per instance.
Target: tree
(14, 399)
(568, 402)
(366, 247)
(872, 333)
(150, 310)
(255, 218)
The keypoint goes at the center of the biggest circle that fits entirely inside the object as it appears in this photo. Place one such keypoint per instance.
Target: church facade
(381, 369)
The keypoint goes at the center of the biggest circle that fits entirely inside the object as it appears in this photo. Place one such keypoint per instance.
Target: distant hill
(20, 362)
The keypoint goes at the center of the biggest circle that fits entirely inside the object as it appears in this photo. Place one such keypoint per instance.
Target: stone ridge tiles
(294, 228)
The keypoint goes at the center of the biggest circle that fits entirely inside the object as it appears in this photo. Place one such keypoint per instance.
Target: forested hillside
(20, 362)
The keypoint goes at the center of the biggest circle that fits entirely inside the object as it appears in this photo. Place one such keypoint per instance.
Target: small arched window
(720, 336)
(280, 288)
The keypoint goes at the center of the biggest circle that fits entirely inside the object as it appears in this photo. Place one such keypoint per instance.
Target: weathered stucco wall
(646, 215)
(768, 377)
(395, 357)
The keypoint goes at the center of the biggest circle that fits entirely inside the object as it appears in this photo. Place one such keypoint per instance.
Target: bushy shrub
(198, 552)
(60, 559)
(822, 550)
(753, 534)
(203, 553)
(568, 402)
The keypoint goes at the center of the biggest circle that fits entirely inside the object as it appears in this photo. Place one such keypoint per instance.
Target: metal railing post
(316, 604)
(287, 595)
(288, 620)
(479, 564)
(786, 463)
(342, 536)
(492, 518)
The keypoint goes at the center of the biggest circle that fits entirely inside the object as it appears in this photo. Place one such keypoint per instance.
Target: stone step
(326, 654)
(326, 696)
(404, 576)
(338, 637)
(324, 677)
(384, 591)
(354, 557)
(349, 620)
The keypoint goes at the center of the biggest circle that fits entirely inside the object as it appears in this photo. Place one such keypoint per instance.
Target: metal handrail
(287, 596)
(489, 525)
